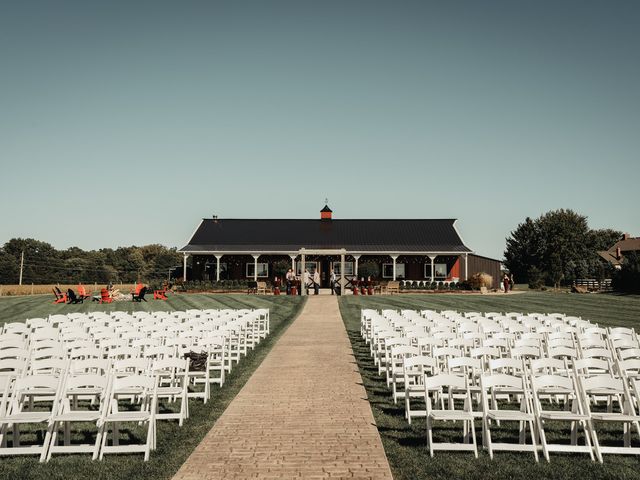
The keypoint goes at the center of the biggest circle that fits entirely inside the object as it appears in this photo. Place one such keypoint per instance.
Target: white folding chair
(448, 384)
(523, 415)
(72, 411)
(31, 402)
(142, 412)
(173, 375)
(556, 384)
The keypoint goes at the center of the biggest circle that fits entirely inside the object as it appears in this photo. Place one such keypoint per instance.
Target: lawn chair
(105, 297)
(73, 298)
(139, 297)
(160, 295)
(60, 297)
(82, 292)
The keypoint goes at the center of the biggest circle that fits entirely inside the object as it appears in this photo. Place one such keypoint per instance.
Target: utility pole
(21, 266)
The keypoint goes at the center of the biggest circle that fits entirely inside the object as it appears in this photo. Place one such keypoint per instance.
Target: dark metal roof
(326, 209)
(354, 235)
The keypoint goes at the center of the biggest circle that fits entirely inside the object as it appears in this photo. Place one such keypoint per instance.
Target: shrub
(440, 285)
(479, 280)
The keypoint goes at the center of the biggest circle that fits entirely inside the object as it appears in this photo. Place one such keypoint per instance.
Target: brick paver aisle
(303, 413)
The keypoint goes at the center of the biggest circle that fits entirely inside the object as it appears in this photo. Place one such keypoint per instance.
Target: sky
(126, 122)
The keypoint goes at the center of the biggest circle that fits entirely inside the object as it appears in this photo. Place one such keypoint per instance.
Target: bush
(440, 285)
(480, 280)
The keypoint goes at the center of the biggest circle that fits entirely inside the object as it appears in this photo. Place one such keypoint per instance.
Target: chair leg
(543, 440)
(473, 438)
(533, 440)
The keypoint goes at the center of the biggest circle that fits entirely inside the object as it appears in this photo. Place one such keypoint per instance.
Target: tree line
(44, 264)
(557, 248)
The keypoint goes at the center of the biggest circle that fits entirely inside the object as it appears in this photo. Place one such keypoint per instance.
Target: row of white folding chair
(577, 390)
(169, 377)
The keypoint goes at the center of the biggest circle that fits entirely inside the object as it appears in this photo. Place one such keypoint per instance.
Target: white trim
(460, 236)
(192, 235)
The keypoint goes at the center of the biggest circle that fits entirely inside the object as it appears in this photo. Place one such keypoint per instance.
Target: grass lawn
(405, 445)
(174, 443)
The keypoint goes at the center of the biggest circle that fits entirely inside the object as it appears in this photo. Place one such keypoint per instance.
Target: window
(263, 270)
(310, 266)
(439, 270)
(348, 268)
(387, 270)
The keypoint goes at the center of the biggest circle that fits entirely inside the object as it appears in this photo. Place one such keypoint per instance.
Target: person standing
(511, 282)
(316, 281)
(332, 281)
(306, 280)
(505, 282)
(289, 280)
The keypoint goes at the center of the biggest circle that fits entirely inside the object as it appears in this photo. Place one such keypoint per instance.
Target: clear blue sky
(126, 122)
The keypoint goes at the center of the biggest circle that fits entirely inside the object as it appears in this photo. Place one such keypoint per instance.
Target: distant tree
(560, 245)
(44, 264)
(627, 279)
(524, 249)
(535, 276)
(603, 239)
(555, 272)
(9, 268)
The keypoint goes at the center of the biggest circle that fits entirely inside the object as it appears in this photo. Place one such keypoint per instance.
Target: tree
(559, 244)
(603, 239)
(627, 279)
(524, 249)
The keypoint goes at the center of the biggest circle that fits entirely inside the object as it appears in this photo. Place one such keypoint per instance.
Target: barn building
(401, 249)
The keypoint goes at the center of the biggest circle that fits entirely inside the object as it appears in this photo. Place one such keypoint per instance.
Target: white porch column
(255, 267)
(466, 264)
(293, 263)
(218, 257)
(343, 280)
(355, 266)
(303, 286)
(394, 258)
(184, 267)
(433, 271)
